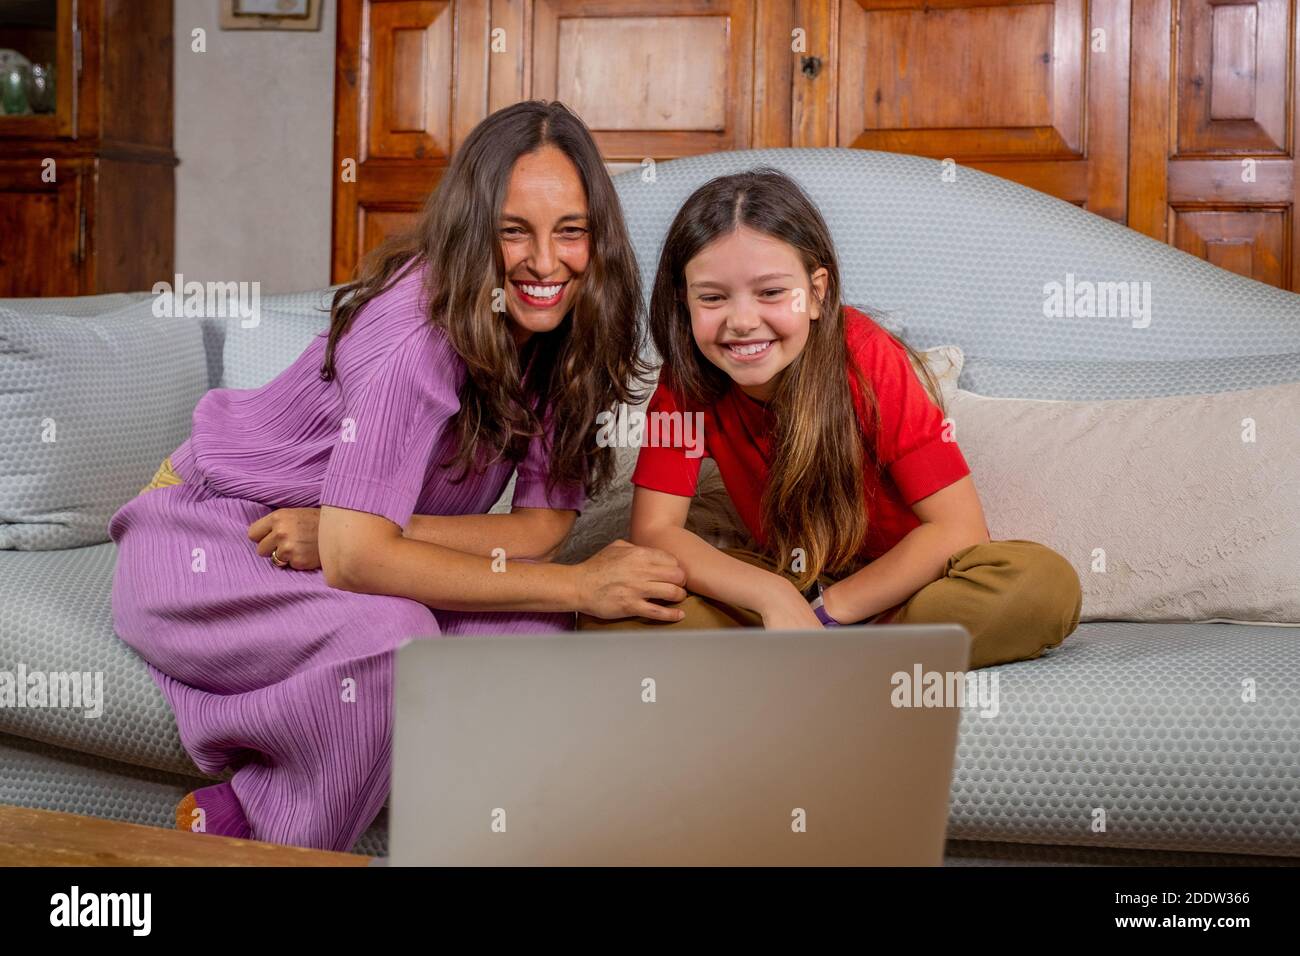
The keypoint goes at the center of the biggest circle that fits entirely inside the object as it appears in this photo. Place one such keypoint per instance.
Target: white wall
(254, 134)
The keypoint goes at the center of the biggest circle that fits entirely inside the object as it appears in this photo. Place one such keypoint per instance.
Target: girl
(481, 344)
(829, 446)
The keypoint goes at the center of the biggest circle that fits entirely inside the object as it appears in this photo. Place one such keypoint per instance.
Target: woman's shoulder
(399, 314)
(403, 302)
(395, 329)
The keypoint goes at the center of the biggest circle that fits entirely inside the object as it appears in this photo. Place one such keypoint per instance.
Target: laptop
(674, 748)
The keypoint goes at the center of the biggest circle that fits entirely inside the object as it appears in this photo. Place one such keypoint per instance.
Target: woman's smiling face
(545, 241)
(751, 301)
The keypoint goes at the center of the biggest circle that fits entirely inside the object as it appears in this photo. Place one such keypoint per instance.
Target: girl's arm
(535, 533)
(658, 521)
(951, 519)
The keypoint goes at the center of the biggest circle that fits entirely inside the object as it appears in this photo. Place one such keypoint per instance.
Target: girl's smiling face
(751, 301)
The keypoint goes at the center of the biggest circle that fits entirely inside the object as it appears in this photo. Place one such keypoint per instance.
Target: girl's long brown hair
(587, 364)
(814, 495)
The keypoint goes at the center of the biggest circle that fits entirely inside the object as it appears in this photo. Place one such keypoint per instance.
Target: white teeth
(542, 291)
(749, 349)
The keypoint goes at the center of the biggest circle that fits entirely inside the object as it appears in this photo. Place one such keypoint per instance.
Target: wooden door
(411, 82)
(1213, 163)
(1031, 90)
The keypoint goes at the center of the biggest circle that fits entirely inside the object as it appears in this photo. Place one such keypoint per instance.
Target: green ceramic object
(13, 90)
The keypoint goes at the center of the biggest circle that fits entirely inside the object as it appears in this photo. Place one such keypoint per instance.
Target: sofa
(1126, 715)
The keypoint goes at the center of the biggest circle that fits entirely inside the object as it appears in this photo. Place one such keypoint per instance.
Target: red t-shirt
(737, 436)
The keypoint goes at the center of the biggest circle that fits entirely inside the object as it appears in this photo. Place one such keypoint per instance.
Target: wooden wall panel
(910, 55)
(1248, 242)
(50, 212)
(1032, 90)
(1214, 114)
(619, 65)
(1176, 117)
(1231, 83)
(411, 82)
(665, 93)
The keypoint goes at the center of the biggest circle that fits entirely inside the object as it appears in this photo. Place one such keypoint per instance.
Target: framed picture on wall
(270, 14)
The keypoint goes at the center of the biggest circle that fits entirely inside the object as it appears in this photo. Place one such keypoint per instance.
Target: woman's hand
(788, 610)
(292, 533)
(624, 580)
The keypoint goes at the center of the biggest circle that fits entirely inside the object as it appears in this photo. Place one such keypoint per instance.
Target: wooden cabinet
(42, 236)
(1024, 90)
(1175, 117)
(1214, 111)
(87, 194)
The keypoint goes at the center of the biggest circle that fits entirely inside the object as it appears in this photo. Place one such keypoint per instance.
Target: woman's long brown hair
(814, 495)
(586, 365)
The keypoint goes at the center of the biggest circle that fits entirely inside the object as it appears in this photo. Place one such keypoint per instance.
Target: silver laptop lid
(673, 748)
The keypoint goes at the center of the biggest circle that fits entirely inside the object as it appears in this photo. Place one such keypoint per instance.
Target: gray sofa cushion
(252, 357)
(58, 617)
(89, 405)
(1147, 722)
(1090, 381)
(76, 305)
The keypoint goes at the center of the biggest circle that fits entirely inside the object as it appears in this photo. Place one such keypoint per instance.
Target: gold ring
(276, 560)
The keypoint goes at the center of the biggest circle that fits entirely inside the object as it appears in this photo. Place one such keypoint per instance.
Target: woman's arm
(658, 521)
(951, 519)
(364, 552)
(535, 533)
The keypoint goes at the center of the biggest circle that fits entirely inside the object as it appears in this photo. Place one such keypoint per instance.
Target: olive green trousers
(1016, 598)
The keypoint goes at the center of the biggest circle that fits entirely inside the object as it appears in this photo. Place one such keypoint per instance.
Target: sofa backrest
(961, 257)
(960, 262)
(248, 357)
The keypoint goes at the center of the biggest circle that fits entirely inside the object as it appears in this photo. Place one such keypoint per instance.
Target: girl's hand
(624, 580)
(788, 611)
(292, 533)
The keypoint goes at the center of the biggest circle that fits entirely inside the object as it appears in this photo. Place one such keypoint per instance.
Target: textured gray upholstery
(76, 305)
(252, 357)
(88, 407)
(36, 775)
(1083, 381)
(58, 617)
(1144, 721)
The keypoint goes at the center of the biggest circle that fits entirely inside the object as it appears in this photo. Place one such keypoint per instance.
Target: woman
(483, 342)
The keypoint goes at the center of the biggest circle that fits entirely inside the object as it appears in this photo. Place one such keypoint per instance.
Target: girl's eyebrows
(755, 281)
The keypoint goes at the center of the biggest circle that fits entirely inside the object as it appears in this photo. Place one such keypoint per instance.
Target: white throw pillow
(1183, 508)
